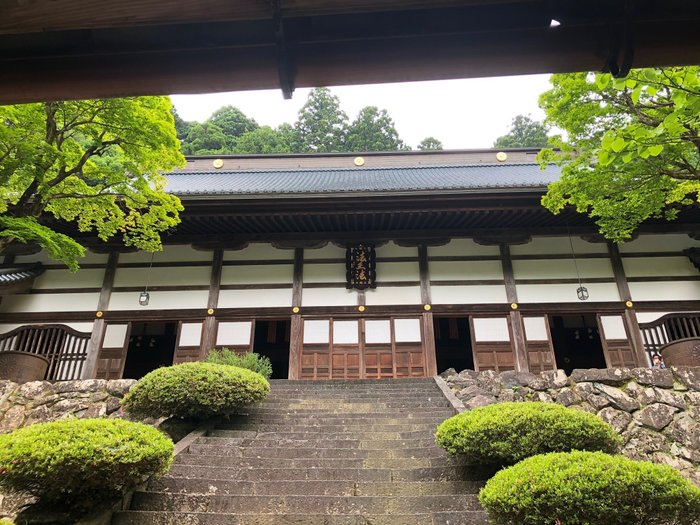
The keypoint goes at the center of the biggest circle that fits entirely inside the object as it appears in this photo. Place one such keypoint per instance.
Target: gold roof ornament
(359, 161)
(218, 163)
(501, 156)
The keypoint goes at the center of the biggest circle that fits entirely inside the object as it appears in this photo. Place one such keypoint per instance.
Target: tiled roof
(362, 180)
(19, 273)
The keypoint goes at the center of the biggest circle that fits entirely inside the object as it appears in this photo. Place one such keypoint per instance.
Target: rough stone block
(662, 378)
(512, 378)
(617, 418)
(607, 376)
(35, 389)
(617, 397)
(655, 416)
(688, 376)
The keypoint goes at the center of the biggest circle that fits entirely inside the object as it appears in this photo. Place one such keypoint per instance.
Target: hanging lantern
(582, 293)
(144, 297)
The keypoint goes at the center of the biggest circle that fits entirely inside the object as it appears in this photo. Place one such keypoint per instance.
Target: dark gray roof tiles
(362, 180)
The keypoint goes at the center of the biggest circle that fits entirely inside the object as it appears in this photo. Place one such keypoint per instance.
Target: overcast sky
(468, 113)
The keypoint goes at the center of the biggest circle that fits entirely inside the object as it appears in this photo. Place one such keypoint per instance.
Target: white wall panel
(260, 274)
(324, 273)
(261, 298)
(346, 332)
(565, 293)
(407, 330)
(115, 335)
(562, 268)
(167, 276)
(88, 278)
(391, 249)
(329, 251)
(463, 247)
(666, 291)
(659, 243)
(259, 251)
(170, 253)
(613, 327)
(465, 270)
(536, 328)
(648, 317)
(4, 328)
(398, 271)
(491, 330)
(658, 266)
(476, 294)
(43, 257)
(377, 331)
(233, 333)
(190, 334)
(59, 302)
(555, 245)
(328, 297)
(317, 331)
(160, 300)
(389, 295)
(80, 327)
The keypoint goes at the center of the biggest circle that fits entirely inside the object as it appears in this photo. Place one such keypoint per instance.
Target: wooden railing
(670, 327)
(65, 348)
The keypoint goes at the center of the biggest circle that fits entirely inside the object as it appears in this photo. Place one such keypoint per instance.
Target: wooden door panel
(497, 356)
(620, 353)
(315, 362)
(540, 356)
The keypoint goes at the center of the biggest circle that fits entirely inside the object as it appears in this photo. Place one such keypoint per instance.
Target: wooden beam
(516, 319)
(424, 269)
(209, 330)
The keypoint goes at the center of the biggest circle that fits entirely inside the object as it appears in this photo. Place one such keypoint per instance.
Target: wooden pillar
(295, 341)
(209, 333)
(98, 326)
(630, 315)
(519, 343)
(427, 317)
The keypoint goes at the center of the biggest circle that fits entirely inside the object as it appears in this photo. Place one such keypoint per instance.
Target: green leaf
(618, 144)
(656, 150)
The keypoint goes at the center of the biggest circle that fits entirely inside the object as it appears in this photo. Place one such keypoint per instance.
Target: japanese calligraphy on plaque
(361, 267)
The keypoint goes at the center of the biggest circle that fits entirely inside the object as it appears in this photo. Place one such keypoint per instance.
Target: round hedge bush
(81, 460)
(195, 390)
(505, 433)
(589, 488)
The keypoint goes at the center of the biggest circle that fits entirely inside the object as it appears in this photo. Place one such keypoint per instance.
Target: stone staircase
(320, 453)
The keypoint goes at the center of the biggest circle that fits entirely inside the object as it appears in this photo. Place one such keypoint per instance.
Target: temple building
(362, 266)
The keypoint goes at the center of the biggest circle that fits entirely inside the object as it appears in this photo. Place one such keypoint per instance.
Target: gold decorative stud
(210, 311)
(501, 156)
(629, 304)
(514, 306)
(99, 314)
(296, 310)
(427, 307)
(359, 161)
(360, 308)
(218, 163)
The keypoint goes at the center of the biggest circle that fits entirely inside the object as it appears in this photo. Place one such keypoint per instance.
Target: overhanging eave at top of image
(64, 49)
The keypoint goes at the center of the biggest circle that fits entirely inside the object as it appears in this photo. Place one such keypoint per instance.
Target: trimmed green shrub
(589, 488)
(250, 361)
(81, 461)
(505, 433)
(195, 390)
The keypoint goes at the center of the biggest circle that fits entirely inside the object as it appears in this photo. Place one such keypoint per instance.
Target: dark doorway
(576, 341)
(271, 339)
(151, 345)
(453, 343)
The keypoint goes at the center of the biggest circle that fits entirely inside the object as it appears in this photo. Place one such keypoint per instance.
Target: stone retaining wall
(657, 412)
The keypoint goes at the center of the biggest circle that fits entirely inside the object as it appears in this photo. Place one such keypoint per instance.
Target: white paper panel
(465, 270)
(160, 300)
(260, 274)
(535, 328)
(389, 295)
(259, 251)
(407, 330)
(58, 302)
(613, 327)
(477, 294)
(346, 332)
(557, 245)
(465, 247)
(328, 297)
(255, 298)
(566, 293)
(659, 243)
(665, 291)
(88, 278)
(115, 336)
(377, 331)
(165, 276)
(325, 273)
(233, 333)
(562, 269)
(317, 331)
(190, 334)
(495, 329)
(658, 266)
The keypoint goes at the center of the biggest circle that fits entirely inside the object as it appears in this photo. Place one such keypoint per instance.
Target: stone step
(198, 518)
(364, 436)
(330, 429)
(291, 452)
(248, 504)
(334, 419)
(317, 488)
(346, 412)
(369, 406)
(456, 473)
(272, 441)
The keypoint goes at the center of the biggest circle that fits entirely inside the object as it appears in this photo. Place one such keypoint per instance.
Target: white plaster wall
(180, 300)
(666, 291)
(676, 242)
(468, 294)
(43, 257)
(88, 278)
(317, 331)
(80, 327)
(555, 245)
(280, 297)
(168, 276)
(648, 317)
(259, 251)
(463, 247)
(613, 327)
(170, 253)
(562, 268)
(328, 297)
(398, 271)
(391, 249)
(491, 329)
(390, 295)
(536, 328)
(59, 302)
(661, 266)
(262, 274)
(324, 273)
(465, 270)
(565, 293)
(329, 251)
